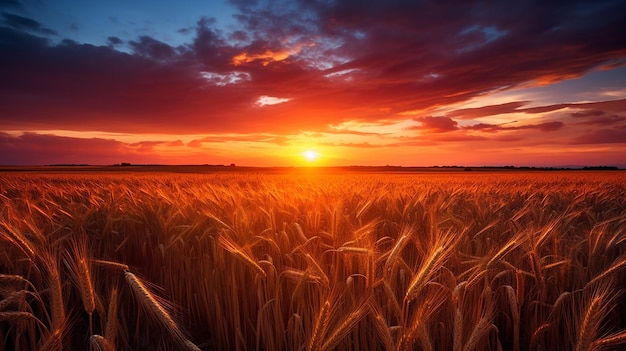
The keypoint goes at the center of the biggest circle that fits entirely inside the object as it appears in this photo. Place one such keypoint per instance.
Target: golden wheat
(328, 261)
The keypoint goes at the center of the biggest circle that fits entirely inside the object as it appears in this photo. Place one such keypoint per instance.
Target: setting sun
(310, 155)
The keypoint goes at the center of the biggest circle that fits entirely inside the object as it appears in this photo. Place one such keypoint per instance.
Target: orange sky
(259, 83)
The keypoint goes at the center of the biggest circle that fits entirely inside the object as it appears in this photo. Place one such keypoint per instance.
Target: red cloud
(41, 149)
(544, 127)
(602, 136)
(436, 124)
(471, 113)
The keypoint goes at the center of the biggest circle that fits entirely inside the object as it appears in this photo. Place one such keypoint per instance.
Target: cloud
(39, 149)
(43, 149)
(244, 138)
(484, 111)
(265, 100)
(602, 136)
(26, 24)
(492, 128)
(583, 109)
(401, 56)
(10, 4)
(436, 124)
(604, 120)
(152, 48)
(587, 113)
(114, 41)
(363, 145)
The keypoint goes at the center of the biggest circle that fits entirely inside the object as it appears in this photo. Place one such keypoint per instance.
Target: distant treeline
(601, 168)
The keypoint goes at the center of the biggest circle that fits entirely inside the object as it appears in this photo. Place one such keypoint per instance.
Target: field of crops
(244, 261)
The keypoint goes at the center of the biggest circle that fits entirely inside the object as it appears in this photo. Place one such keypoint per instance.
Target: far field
(303, 260)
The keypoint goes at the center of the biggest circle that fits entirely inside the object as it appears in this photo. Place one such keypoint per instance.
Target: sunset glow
(310, 155)
(374, 83)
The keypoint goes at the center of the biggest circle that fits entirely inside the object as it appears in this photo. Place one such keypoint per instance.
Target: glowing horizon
(261, 82)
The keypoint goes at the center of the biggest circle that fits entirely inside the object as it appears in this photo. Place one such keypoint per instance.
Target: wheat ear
(380, 323)
(480, 330)
(145, 297)
(588, 327)
(16, 296)
(345, 327)
(78, 264)
(512, 298)
(319, 328)
(610, 341)
(534, 340)
(110, 330)
(457, 336)
(99, 343)
(230, 246)
(432, 262)
(56, 292)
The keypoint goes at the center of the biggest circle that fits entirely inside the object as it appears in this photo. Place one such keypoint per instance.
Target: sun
(310, 155)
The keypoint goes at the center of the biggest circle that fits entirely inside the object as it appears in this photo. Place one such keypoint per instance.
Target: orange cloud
(265, 57)
(268, 56)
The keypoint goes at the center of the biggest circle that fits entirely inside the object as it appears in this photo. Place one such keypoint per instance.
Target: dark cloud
(546, 127)
(26, 24)
(587, 113)
(38, 149)
(152, 48)
(604, 120)
(10, 4)
(436, 124)
(42, 149)
(113, 41)
(492, 128)
(210, 48)
(471, 113)
(611, 105)
(602, 136)
(584, 109)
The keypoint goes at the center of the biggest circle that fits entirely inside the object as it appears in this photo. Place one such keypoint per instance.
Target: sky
(313, 82)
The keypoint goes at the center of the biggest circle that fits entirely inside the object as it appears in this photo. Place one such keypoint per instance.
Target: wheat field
(304, 261)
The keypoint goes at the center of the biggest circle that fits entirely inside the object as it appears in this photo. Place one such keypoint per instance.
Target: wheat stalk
(53, 342)
(110, 264)
(513, 306)
(614, 268)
